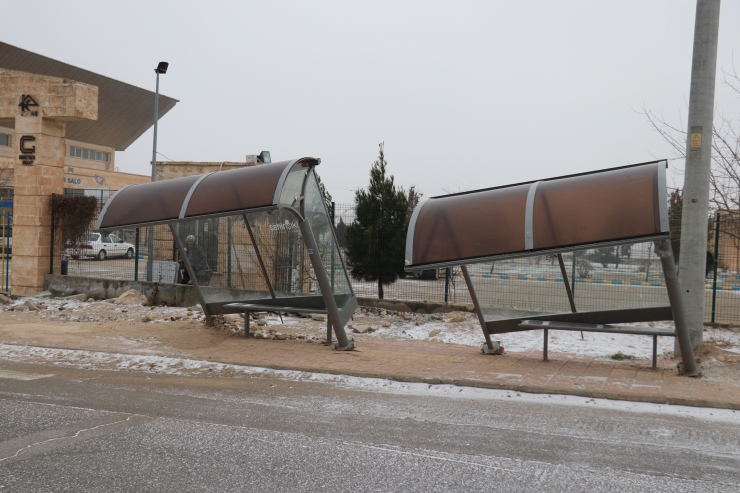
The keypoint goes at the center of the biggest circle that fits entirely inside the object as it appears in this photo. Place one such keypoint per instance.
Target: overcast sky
(465, 94)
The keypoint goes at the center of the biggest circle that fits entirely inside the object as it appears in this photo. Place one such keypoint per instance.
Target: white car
(97, 246)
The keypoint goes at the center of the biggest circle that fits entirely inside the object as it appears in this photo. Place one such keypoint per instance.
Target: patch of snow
(178, 366)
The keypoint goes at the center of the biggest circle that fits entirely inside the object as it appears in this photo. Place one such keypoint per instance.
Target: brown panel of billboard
(147, 202)
(489, 222)
(597, 207)
(238, 189)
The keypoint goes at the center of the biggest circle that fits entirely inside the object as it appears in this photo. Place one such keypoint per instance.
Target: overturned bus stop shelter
(273, 227)
(497, 236)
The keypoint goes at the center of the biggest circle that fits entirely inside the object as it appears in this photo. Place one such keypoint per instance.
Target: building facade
(60, 127)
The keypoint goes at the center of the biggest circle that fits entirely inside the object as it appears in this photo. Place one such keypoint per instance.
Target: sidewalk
(412, 361)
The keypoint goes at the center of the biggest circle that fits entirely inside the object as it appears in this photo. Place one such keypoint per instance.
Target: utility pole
(694, 218)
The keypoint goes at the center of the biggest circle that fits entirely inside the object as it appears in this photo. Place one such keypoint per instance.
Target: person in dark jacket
(197, 259)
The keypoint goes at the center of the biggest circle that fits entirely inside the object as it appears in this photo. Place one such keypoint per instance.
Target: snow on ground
(455, 328)
(93, 360)
(439, 327)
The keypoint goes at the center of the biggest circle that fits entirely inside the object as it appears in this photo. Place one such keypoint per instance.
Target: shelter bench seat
(612, 329)
(247, 308)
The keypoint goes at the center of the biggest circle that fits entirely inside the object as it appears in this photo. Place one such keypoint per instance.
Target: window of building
(89, 154)
(4, 140)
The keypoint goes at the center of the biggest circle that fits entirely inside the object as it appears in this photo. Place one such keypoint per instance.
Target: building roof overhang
(125, 111)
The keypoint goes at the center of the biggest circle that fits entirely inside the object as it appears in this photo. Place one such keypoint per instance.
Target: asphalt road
(83, 430)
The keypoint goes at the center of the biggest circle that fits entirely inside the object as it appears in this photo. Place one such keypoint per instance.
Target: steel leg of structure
(655, 352)
(477, 307)
(246, 324)
(259, 256)
(324, 284)
(567, 285)
(688, 366)
(568, 289)
(328, 331)
(544, 349)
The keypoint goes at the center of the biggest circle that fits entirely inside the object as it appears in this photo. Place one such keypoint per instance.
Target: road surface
(72, 429)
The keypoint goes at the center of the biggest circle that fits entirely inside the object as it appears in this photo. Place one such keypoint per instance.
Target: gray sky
(465, 94)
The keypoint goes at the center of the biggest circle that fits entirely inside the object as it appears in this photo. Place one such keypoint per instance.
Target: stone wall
(158, 293)
(39, 170)
(178, 169)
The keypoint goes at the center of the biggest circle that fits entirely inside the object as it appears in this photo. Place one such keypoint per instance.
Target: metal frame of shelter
(617, 206)
(267, 201)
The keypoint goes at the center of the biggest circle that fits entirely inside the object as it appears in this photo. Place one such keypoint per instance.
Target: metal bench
(612, 329)
(247, 308)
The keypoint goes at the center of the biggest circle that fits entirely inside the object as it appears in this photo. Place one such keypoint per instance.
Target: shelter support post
(324, 284)
(688, 366)
(568, 288)
(479, 312)
(247, 314)
(259, 256)
(655, 352)
(567, 285)
(544, 347)
(328, 331)
(191, 272)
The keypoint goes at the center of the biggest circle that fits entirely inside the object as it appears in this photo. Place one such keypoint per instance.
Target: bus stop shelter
(268, 223)
(576, 215)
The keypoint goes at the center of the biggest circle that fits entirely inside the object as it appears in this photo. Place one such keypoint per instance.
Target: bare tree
(724, 193)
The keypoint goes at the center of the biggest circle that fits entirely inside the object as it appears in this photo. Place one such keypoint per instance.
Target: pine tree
(376, 239)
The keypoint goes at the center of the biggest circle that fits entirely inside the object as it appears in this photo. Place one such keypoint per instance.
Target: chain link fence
(627, 276)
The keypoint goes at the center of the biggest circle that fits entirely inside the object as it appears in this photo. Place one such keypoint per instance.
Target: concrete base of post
(495, 349)
(696, 373)
(349, 347)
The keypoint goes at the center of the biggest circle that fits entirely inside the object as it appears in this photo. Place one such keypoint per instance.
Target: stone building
(60, 127)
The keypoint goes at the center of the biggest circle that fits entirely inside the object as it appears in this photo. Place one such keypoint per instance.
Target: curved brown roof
(558, 213)
(195, 196)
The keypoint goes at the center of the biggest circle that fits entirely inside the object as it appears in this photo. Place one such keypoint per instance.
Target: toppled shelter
(498, 236)
(268, 224)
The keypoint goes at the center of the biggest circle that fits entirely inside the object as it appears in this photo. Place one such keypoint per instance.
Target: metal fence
(611, 277)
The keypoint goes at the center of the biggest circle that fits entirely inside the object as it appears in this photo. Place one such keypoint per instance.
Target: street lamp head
(264, 157)
(162, 68)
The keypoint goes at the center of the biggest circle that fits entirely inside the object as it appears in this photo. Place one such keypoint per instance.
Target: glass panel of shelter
(286, 264)
(261, 256)
(318, 217)
(223, 259)
(607, 278)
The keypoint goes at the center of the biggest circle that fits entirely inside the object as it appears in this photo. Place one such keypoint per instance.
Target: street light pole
(161, 69)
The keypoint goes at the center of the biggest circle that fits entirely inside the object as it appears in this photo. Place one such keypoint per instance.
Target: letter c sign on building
(27, 156)
(25, 149)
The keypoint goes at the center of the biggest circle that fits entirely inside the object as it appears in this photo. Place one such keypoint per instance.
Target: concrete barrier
(183, 295)
(93, 287)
